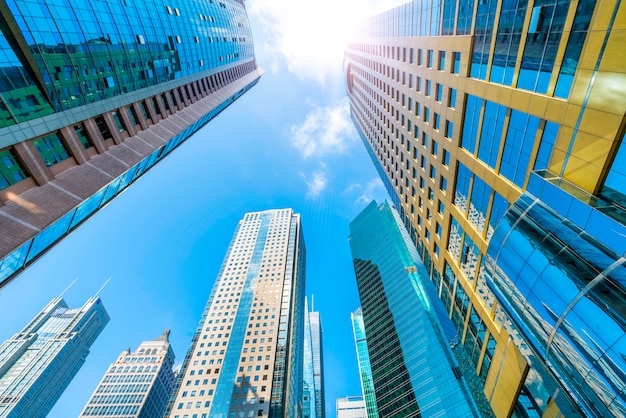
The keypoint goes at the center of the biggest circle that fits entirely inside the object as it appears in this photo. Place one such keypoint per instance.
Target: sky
(288, 142)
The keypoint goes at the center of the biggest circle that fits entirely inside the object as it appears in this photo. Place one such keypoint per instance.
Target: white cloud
(373, 190)
(325, 130)
(317, 183)
(308, 37)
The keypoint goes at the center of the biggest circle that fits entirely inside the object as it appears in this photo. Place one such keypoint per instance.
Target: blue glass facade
(38, 363)
(402, 322)
(557, 267)
(72, 54)
(365, 368)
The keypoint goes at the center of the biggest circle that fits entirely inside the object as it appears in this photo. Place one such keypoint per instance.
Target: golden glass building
(498, 129)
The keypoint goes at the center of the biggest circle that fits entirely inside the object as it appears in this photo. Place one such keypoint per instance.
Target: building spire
(164, 337)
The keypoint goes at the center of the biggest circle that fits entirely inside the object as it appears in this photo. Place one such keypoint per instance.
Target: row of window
(53, 148)
(428, 58)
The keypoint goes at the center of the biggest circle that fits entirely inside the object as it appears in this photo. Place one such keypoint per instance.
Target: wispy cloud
(308, 37)
(325, 130)
(373, 190)
(317, 183)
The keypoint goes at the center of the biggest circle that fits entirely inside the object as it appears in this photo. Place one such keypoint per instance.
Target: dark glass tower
(38, 363)
(93, 94)
(407, 333)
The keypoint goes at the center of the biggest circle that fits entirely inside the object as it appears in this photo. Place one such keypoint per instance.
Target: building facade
(308, 369)
(38, 363)
(407, 331)
(470, 109)
(138, 384)
(363, 359)
(351, 407)
(246, 357)
(93, 94)
(318, 363)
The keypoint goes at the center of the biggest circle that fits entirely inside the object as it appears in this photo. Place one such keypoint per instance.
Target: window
(443, 183)
(456, 62)
(449, 129)
(428, 84)
(103, 128)
(429, 59)
(436, 121)
(82, 135)
(11, 171)
(118, 121)
(442, 60)
(438, 92)
(451, 98)
(51, 149)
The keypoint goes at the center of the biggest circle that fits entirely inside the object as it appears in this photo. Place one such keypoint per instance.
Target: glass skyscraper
(365, 368)
(318, 363)
(498, 129)
(39, 362)
(138, 384)
(407, 331)
(247, 356)
(93, 94)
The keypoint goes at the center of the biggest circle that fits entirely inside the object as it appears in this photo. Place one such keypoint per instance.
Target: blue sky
(288, 142)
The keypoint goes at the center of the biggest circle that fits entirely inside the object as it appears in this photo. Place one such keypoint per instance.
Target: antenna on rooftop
(67, 288)
(105, 283)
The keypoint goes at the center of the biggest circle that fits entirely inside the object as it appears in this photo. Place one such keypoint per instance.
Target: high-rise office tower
(39, 362)
(407, 331)
(138, 384)
(471, 108)
(318, 362)
(363, 359)
(246, 357)
(93, 94)
(308, 369)
(351, 407)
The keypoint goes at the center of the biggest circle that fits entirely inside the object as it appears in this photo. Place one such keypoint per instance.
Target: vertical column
(94, 135)
(76, 147)
(33, 163)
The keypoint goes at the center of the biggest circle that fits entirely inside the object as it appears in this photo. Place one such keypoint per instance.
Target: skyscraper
(93, 94)
(246, 357)
(308, 369)
(472, 108)
(138, 384)
(318, 362)
(351, 407)
(407, 331)
(38, 363)
(363, 359)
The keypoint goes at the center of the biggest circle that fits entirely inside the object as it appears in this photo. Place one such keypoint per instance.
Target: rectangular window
(11, 170)
(428, 84)
(118, 121)
(456, 62)
(446, 157)
(451, 98)
(426, 114)
(51, 149)
(133, 115)
(420, 59)
(436, 121)
(103, 128)
(442, 60)
(82, 135)
(449, 129)
(438, 92)
(429, 59)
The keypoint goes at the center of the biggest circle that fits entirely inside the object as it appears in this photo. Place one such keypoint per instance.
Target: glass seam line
(588, 92)
(579, 296)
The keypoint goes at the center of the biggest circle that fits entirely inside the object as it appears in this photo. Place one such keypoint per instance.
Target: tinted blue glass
(518, 146)
(479, 203)
(449, 10)
(461, 192)
(470, 123)
(546, 28)
(574, 47)
(508, 38)
(498, 208)
(483, 32)
(548, 139)
(491, 133)
(464, 22)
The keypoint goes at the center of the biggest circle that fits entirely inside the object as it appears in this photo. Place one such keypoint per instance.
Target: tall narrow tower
(38, 363)
(246, 357)
(138, 384)
(318, 362)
